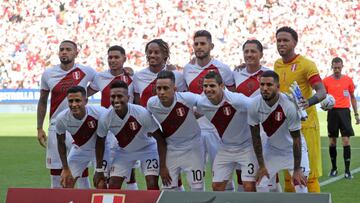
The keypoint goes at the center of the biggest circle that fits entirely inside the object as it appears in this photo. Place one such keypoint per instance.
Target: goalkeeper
(342, 88)
(293, 67)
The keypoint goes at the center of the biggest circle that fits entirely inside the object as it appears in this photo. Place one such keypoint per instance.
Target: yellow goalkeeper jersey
(301, 70)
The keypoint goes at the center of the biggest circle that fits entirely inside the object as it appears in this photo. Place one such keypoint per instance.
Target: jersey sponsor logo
(274, 121)
(196, 85)
(180, 111)
(293, 67)
(133, 126)
(175, 119)
(223, 117)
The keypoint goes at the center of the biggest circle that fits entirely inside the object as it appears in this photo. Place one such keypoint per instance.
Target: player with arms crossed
(102, 82)
(174, 111)
(194, 76)
(294, 67)
(56, 81)
(130, 124)
(285, 147)
(81, 121)
(227, 111)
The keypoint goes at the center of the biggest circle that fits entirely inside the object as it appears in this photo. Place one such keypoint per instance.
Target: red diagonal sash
(86, 130)
(128, 132)
(175, 119)
(58, 93)
(105, 93)
(148, 92)
(274, 121)
(250, 85)
(223, 117)
(196, 85)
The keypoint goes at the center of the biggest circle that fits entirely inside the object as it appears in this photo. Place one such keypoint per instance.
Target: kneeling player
(182, 150)
(285, 147)
(227, 111)
(81, 122)
(130, 124)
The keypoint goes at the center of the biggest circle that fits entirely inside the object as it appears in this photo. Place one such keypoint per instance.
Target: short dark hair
(166, 74)
(117, 48)
(272, 74)
(254, 41)
(119, 84)
(71, 42)
(203, 33)
(337, 60)
(214, 75)
(288, 30)
(164, 47)
(76, 89)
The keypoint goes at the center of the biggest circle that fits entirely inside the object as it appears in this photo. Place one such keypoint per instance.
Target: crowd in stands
(31, 31)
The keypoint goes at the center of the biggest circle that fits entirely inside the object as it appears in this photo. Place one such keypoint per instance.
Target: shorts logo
(180, 111)
(133, 126)
(227, 111)
(76, 75)
(278, 116)
(293, 67)
(91, 124)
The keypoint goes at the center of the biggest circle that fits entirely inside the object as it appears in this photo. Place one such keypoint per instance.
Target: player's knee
(218, 186)
(249, 186)
(115, 182)
(152, 182)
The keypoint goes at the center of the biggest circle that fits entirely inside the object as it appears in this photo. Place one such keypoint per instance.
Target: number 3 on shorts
(152, 164)
(251, 168)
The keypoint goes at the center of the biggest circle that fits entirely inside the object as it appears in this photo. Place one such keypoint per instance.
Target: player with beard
(56, 81)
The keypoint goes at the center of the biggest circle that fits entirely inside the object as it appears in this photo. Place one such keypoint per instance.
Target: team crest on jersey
(76, 75)
(91, 124)
(293, 67)
(133, 126)
(180, 111)
(227, 111)
(278, 116)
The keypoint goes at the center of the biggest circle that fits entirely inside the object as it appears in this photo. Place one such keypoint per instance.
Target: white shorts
(190, 161)
(276, 161)
(53, 160)
(211, 142)
(123, 162)
(227, 160)
(78, 160)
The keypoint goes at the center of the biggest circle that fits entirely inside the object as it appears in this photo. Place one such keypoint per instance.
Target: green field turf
(22, 160)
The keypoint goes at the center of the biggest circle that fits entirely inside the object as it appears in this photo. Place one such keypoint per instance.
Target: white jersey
(58, 81)
(145, 84)
(131, 132)
(229, 118)
(82, 131)
(276, 121)
(248, 83)
(102, 82)
(178, 121)
(194, 76)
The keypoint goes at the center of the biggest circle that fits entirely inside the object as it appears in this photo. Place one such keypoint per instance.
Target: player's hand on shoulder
(262, 172)
(170, 67)
(165, 175)
(41, 136)
(240, 67)
(129, 71)
(299, 178)
(66, 179)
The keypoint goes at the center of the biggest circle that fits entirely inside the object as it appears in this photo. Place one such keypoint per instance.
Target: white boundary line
(339, 177)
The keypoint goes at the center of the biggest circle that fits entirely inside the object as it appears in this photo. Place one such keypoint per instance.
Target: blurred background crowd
(31, 31)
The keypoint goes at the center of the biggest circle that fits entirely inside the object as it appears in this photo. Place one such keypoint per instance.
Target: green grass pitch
(22, 159)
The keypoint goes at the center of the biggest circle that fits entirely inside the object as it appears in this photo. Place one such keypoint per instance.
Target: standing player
(194, 76)
(342, 88)
(174, 112)
(285, 147)
(81, 121)
(57, 80)
(227, 111)
(130, 124)
(294, 67)
(102, 82)
(157, 54)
